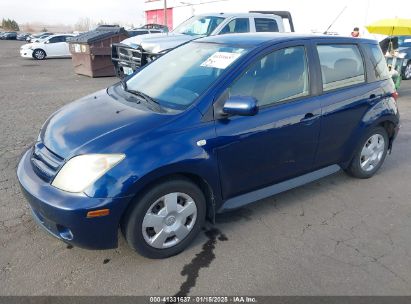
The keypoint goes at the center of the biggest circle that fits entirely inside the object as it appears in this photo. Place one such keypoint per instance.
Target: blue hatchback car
(213, 125)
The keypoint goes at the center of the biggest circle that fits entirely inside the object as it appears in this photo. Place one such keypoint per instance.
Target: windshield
(177, 78)
(199, 25)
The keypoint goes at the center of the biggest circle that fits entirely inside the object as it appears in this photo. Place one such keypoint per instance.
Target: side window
(238, 25)
(341, 65)
(279, 76)
(55, 39)
(379, 64)
(265, 25)
(58, 39)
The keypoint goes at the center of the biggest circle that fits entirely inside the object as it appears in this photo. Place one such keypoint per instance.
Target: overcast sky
(307, 14)
(69, 11)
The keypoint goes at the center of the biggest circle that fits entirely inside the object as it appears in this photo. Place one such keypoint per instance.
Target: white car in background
(53, 46)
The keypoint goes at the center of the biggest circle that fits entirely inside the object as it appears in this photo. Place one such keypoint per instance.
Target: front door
(280, 141)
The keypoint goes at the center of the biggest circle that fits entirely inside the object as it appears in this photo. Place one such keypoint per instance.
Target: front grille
(45, 163)
(130, 57)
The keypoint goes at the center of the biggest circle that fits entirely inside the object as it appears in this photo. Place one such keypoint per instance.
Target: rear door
(280, 141)
(65, 49)
(345, 98)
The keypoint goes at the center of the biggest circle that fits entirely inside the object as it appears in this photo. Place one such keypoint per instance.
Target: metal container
(91, 51)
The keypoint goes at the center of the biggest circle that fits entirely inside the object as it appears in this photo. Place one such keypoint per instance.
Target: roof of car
(255, 39)
(226, 15)
(55, 35)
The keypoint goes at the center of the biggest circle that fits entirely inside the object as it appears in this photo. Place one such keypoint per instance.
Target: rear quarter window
(341, 65)
(265, 25)
(379, 64)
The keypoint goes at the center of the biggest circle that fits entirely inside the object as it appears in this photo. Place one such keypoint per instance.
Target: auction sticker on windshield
(220, 60)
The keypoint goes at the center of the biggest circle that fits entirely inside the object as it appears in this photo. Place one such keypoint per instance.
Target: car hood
(406, 50)
(156, 43)
(93, 124)
(32, 45)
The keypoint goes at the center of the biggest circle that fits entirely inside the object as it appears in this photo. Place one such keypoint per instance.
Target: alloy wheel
(39, 54)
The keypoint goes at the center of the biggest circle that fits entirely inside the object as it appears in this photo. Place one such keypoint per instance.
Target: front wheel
(370, 155)
(165, 220)
(407, 71)
(39, 54)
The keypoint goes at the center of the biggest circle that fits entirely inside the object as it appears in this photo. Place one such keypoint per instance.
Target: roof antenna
(332, 23)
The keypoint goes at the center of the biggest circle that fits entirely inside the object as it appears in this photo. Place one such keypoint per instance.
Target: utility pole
(165, 12)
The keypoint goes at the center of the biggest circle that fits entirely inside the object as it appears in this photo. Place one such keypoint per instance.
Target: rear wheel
(370, 155)
(165, 220)
(39, 54)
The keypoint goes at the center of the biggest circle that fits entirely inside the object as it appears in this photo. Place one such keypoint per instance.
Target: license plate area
(127, 71)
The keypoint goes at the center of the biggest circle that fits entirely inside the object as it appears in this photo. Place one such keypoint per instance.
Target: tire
(370, 154)
(39, 54)
(407, 71)
(171, 231)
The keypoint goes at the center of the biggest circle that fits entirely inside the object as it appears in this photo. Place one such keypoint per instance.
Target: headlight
(81, 171)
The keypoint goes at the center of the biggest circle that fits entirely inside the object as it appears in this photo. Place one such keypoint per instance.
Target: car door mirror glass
(240, 105)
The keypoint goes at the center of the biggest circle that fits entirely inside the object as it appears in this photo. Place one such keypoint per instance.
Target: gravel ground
(336, 236)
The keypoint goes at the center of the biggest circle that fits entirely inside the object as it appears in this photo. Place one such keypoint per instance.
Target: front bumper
(26, 53)
(63, 214)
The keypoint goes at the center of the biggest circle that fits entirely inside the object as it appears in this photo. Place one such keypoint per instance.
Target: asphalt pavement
(336, 236)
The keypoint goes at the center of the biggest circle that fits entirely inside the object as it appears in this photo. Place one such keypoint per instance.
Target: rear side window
(265, 25)
(341, 65)
(379, 64)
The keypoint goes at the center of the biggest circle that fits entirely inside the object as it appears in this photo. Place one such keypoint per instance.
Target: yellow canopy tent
(390, 27)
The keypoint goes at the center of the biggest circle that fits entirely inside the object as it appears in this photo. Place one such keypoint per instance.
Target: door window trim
(321, 86)
(267, 53)
(233, 19)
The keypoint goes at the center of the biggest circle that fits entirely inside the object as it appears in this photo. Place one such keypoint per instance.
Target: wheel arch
(386, 122)
(199, 181)
(389, 126)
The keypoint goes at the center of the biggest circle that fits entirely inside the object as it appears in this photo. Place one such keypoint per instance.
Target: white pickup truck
(137, 51)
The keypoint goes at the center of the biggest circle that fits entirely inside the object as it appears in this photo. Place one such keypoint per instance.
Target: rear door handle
(308, 118)
(373, 97)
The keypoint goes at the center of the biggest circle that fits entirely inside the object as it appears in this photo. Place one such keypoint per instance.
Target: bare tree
(83, 24)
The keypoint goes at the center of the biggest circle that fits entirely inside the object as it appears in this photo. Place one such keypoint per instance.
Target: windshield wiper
(145, 97)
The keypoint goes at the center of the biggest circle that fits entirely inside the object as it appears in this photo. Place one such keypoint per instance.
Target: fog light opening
(65, 233)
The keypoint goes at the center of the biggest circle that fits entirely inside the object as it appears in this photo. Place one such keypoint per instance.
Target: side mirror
(240, 105)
